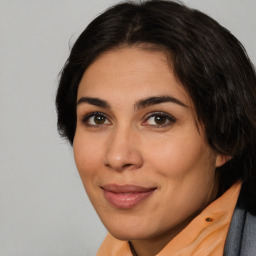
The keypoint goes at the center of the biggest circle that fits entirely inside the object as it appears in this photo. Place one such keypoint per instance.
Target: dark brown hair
(208, 60)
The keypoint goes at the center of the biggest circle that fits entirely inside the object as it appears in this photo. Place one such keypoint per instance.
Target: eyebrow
(157, 100)
(138, 105)
(93, 101)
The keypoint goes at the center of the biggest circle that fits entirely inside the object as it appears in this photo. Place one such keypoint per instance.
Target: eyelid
(86, 117)
(170, 118)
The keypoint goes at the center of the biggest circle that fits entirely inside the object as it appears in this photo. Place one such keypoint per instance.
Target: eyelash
(169, 118)
(86, 118)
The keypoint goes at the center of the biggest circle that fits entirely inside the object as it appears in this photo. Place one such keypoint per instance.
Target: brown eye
(96, 119)
(99, 119)
(160, 119)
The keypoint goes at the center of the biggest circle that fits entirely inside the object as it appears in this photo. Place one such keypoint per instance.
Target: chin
(127, 231)
(128, 236)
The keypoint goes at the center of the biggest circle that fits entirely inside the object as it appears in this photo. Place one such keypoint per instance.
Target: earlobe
(221, 160)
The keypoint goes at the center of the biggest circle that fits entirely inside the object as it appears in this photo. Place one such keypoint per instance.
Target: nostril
(121, 168)
(107, 165)
(122, 157)
(126, 166)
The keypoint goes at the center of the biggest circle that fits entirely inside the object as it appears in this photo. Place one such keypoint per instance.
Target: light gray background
(43, 207)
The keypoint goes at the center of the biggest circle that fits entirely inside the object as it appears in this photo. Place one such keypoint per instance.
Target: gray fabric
(248, 245)
(235, 233)
(241, 238)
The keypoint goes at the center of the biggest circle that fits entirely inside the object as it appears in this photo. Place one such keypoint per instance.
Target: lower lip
(126, 200)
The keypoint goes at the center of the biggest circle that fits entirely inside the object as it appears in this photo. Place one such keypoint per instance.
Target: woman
(158, 101)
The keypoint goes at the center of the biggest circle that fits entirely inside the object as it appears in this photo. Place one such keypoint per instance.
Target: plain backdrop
(44, 210)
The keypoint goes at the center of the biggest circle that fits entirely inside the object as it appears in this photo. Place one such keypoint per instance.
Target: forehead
(131, 71)
(132, 59)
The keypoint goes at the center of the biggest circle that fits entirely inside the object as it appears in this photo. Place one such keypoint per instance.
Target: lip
(126, 196)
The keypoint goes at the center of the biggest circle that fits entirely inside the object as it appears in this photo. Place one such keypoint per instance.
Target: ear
(221, 160)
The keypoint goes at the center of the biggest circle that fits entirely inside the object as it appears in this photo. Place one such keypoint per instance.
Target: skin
(138, 145)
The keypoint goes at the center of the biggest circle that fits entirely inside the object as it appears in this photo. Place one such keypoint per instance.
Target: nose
(122, 150)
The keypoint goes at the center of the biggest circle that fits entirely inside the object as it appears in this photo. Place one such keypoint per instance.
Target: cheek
(185, 170)
(87, 155)
(178, 155)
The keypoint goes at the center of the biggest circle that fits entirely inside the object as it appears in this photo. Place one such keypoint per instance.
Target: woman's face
(143, 160)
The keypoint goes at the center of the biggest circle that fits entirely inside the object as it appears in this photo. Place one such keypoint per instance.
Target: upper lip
(127, 188)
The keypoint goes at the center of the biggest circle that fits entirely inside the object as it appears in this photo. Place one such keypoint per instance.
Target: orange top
(205, 234)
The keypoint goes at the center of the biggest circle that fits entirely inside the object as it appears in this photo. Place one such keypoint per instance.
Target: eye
(96, 119)
(159, 119)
